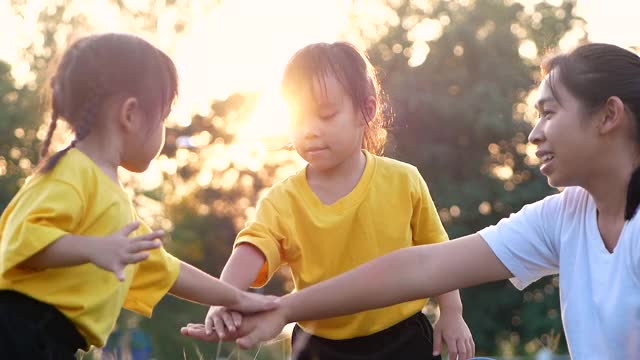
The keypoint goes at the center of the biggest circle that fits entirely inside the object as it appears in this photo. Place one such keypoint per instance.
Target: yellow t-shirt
(390, 208)
(76, 197)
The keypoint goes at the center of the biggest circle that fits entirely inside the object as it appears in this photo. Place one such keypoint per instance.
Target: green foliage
(19, 122)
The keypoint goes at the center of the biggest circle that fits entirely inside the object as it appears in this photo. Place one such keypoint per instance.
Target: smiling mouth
(547, 158)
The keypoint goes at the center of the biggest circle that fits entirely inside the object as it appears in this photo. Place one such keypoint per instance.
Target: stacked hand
(248, 331)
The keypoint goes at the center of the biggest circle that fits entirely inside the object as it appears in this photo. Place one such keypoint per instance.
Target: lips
(547, 158)
(312, 150)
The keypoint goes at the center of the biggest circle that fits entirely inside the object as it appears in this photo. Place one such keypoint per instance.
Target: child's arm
(112, 253)
(452, 328)
(197, 286)
(241, 270)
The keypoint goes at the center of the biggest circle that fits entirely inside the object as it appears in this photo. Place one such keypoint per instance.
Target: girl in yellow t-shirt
(348, 206)
(73, 251)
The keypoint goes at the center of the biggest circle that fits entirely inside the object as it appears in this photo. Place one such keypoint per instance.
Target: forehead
(551, 90)
(325, 89)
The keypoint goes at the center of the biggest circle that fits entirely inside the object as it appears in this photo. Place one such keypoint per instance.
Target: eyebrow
(540, 103)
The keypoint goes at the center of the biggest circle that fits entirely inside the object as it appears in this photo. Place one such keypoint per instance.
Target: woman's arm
(403, 275)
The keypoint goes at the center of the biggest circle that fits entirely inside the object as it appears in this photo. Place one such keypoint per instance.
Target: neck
(351, 167)
(104, 153)
(609, 191)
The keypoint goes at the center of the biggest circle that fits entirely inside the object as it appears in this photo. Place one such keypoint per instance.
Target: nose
(536, 136)
(309, 128)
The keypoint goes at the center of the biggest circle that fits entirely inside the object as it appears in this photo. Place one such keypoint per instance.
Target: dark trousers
(410, 339)
(30, 329)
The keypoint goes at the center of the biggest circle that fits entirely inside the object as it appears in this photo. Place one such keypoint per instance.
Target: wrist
(89, 249)
(451, 310)
(285, 310)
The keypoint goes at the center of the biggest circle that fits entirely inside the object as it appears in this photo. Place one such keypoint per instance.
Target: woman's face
(566, 136)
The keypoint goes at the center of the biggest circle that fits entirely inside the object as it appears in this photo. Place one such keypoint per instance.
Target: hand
(253, 330)
(454, 331)
(114, 252)
(220, 319)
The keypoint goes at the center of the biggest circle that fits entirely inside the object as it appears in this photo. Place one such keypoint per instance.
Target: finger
(470, 348)
(228, 321)
(138, 246)
(464, 352)
(208, 324)
(473, 347)
(129, 228)
(119, 274)
(452, 348)
(237, 318)
(219, 326)
(437, 341)
(198, 333)
(136, 258)
(158, 234)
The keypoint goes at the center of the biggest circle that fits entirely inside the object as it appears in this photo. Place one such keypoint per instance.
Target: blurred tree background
(458, 75)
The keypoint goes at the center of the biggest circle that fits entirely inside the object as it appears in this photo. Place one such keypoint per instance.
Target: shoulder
(285, 190)
(393, 168)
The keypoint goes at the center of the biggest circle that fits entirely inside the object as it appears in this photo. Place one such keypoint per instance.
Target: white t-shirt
(599, 291)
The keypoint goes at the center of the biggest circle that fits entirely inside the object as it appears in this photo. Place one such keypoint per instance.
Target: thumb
(437, 341)
(129, 228)
(247, 341)
(119, 274)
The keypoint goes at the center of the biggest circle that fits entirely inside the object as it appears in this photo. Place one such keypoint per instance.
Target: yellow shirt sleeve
(152, 279)
(36, 218)
(425, 222)
(265, 233)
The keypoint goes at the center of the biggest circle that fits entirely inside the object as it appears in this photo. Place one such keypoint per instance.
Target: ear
(370, 107)
(611, 116)
(129, 114)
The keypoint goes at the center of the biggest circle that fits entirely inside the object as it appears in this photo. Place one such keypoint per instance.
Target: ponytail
(633, 195)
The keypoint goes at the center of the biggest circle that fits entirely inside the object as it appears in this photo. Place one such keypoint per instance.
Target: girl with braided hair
(72, 226)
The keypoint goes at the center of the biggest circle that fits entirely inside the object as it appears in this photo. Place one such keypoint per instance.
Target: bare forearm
(243, 266)
(450, 302)
(407, 274)
(239, 273)
(68, 250)
(197, 286)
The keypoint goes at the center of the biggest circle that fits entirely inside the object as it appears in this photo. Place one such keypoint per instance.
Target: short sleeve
(266, 234)
(36, 218)
(527, 242)
(152, 280)
(425, 222)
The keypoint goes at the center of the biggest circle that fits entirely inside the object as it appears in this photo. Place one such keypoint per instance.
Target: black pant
(30, 329)
(410, 339)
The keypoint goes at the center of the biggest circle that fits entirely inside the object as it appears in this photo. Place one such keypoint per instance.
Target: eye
(546, 114)
(328, 116)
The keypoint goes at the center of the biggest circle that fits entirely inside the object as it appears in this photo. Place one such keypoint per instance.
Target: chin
(558, 182)
(136, 168)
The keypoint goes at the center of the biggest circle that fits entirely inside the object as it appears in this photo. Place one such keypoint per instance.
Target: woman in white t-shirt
(588, 139)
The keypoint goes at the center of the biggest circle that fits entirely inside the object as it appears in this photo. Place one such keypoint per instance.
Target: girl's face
(146, 141)
(326, 128)
(566, 136)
